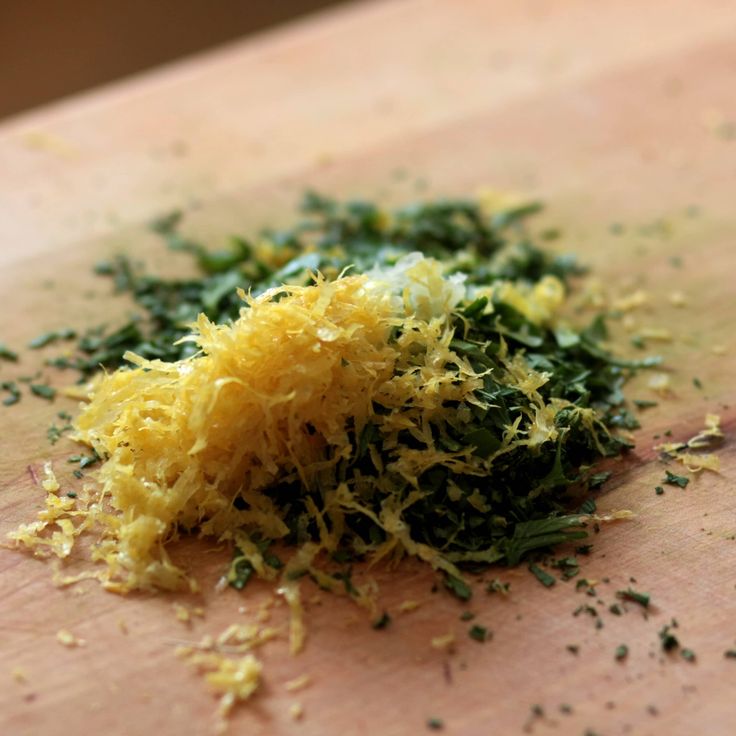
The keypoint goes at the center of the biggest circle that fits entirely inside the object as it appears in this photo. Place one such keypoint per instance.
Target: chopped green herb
(687, 654)
(478, 633)
(458, 587)
(44, 391)
(668, 640)
(13, 391)
(730, 654)
(644, 403)
(573, 649)
(7, 354)
(71, 494)
(47, 338)
(467, 616)
(598, 479)
(622, 651)
(697, 383)
(615, 609)
(569, 567)
(382, 622)
(658, 490)
(584, 549)
(675, 480)
(435, 724)
(542, 575)
(629, 594)
(78, 474)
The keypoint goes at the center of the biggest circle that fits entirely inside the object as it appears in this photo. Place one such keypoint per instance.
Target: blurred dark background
(52, 48)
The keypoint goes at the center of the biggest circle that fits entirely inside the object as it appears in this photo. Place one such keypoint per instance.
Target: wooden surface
(610, 112)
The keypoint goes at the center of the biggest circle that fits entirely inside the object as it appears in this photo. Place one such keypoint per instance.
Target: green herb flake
(645, 404)
(675, 480)
(622, 651)
(598, 479)
(458, 587)
(615, 609)
(730, 654)
(435, 724)
(71, 494)
(643, 599)
(659, 490)
(478, 633)
(47, 338)
(573, 649)
(697, 383)
(687, 654)
(667, 639)
(542, 575)
(43, 390)
(13, 391)
(467, 616)
(78, 474)
(382, 621)
(7, 354)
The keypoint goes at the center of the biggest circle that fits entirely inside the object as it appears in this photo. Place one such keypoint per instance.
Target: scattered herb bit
(645, 404)
(615, 609)
(584, 549)
(622, 651)
(382, 622)
(588, 506)
(730, 654)
(86, 460)
(47, 338)
(675, 480)
(478, 633)
(496, 586)
(458, 587)
(687, 654)
(598, 479)
(78, 474)
(697, 383)
(435, 724)
(542, 575)
(573, 649)
(13, 391)
(44, 391)
(658, 490)
(629, 594)
(7, 354)
(467, 616)
(71, 494)
(668, 640)
(569, 567)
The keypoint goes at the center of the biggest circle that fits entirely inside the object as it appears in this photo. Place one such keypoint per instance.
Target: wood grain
(610, 112)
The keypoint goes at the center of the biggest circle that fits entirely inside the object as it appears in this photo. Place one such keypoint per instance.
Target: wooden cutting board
(615, 113)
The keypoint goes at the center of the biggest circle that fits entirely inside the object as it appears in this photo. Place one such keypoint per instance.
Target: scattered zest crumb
(298, 683)
(67, 639)
(444, 641)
